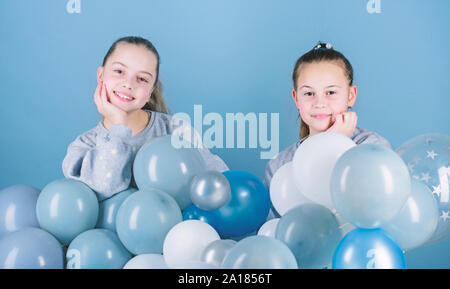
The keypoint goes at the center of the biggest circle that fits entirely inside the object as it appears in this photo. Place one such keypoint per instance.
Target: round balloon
(158, 164)
(312, 233)
(194, 213)
(210, 190)
(186, 242)
(147, 261)
(144, 219)
(248, 207)
(368, 249)
(313, 164)
(97, 249)
(66, 208)
(428, 159)
(284, 193)
(369, 185)
(18, 208)
(108, 209)
(417, 220)
(269, 228)
(30, 248)
(215, 252)
(259, 252)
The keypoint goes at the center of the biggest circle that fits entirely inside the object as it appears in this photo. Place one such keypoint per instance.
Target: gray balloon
(215, 252)
(210, 190)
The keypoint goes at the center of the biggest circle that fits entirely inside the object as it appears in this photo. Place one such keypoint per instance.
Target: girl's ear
(99, 74)
(352, 95)
(294, 96)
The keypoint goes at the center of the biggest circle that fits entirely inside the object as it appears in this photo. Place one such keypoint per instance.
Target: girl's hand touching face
(110, 112)
(344, 123)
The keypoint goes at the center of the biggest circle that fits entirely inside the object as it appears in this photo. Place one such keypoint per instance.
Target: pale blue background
(229, 55)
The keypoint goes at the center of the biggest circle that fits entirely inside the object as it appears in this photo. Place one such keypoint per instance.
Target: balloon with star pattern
(428, 159)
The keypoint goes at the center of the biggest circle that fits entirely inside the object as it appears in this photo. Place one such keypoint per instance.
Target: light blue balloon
(312, 233)
(417, 220)
(66, 208)
(30, 248)
(368, 249)
(248, 207)
(144, 219)
(369, 185)
(160, 165)
(108, 209)
(18, 208)
(259, 252)
(97, 249)
(428, 159)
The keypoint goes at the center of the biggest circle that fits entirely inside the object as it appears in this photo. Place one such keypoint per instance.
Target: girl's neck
(137, 121)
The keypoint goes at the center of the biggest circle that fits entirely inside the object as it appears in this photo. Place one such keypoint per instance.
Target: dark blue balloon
(248, 207)
(18, 208)
(368, 249)
(30, 248)
(195, 213)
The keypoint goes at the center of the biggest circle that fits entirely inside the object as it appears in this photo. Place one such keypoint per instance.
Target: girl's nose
(126, 84)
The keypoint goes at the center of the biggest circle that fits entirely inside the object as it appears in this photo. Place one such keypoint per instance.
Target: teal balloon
(428, 159)
(66, 208)
(194, 213)
(30, 248)
(97, 249)
(312, 233)
(108, 209)
(247, 208)
(417, 220)
(368, 249)
(369, 185)
(160, 165)
(18, 208)
(144, 219)
(259, 252)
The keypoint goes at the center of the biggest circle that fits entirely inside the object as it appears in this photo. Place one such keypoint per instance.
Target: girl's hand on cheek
(344, 123)
(109, 111)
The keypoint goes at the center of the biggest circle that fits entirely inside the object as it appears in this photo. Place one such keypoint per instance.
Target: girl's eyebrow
(333, 85)
(143, 71)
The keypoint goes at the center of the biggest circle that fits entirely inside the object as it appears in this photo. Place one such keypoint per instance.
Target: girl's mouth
(321, 116)
(123, 96)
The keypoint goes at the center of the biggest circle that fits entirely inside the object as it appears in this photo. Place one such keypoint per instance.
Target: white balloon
(147, 261)
(313, 164)
(268, 228)
(186, 241)
(284, 193)
(195, 265)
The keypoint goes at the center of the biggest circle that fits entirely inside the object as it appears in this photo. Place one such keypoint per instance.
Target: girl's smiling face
(322, 92)
(129, 75)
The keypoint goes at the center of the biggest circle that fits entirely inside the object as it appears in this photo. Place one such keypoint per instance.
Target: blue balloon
(428, 159)
(144, 219)
(417, 220)
(259, 252)
(108, 209)
(18, 208)
(247, 208)
(97, 249)
(194, 213)
(369, 185)
(158, 164)
(30, 248)
(368, 249)
(66, 208)
(312, 233)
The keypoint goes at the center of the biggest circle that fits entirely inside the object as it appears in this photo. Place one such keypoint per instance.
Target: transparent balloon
(427, 157)
(216, 251)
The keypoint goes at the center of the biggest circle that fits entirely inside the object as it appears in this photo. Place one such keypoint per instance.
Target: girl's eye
(331, 92)
(119, 71)
(309, 93)
(143, 79)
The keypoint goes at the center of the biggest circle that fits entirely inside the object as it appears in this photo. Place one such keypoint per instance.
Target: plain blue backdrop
(228, 55)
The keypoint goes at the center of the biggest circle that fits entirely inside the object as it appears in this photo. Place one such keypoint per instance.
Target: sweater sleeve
(104, 163)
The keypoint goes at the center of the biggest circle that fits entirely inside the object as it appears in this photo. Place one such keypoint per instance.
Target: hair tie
(324, 46)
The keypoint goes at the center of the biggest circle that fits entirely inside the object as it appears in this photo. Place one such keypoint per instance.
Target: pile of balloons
(341, 206)
(348, 206)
